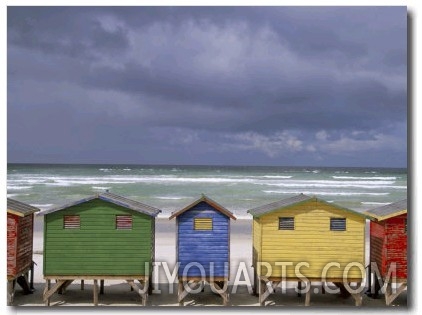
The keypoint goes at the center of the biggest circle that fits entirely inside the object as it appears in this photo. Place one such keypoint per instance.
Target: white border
(413, 9)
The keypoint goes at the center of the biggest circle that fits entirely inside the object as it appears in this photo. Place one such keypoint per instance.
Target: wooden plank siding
(311, 240)
(152, 247)
(12, 233)
(19, 243)
(389, 238)
(396, 244)
(203, 246)
(97, 247)
(389, 245)
(377, 241)
(256, 239)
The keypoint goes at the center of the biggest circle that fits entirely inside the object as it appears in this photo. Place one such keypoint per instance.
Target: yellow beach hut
(306, 239)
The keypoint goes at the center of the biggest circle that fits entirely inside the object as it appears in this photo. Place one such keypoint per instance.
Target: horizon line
(202, 165)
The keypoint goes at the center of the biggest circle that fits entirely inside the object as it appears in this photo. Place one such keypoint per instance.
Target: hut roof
(285, 203)
(209, 201)
(113, 198)
(19, 208)
(388, 211)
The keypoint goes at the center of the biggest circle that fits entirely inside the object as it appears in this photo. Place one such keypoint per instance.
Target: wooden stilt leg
(220, 287)
(143, 292)
(225, 294)
(47, 288)
(49, 292)
(26, 276)
(60, 290)
(180, 291)
(377, 287)
(343, 291)
(358, 299)
(369, 281)
(63, 287)
(261, 287)
(146, 290)
(299, 288)
(10, 292)
(95, 292)
(388, 290)
(357, 296)
(390, 297)
(150, 287)
(102, 286)
(226, 285)
(255, 283)
(308, 294)
(31, 284)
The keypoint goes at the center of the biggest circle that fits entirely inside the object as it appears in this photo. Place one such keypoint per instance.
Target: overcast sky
(289, 86)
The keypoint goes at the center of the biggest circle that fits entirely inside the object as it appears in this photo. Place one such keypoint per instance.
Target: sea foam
(324, 193)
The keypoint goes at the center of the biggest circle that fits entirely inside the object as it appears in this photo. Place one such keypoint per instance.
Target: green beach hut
(104, 236)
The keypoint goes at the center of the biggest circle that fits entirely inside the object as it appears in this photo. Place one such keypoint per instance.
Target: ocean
(238, 188)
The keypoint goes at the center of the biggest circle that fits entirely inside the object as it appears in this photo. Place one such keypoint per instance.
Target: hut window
(202, 224)
(405, 226)
(71, 222)
(123, 222)
(286, 223)
(337, 224)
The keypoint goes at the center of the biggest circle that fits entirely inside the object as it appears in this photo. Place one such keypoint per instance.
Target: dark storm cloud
(273, 82)
(68, 31)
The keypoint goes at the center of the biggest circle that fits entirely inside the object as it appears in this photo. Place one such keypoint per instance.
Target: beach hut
(306, 239)
(20, 232)
(104, 236)
(388, 230)
(203, 247)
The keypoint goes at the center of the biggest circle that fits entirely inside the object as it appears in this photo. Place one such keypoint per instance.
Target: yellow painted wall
(311, 241)
(256, 240)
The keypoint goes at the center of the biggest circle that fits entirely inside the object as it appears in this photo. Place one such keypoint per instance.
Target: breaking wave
(324, 193)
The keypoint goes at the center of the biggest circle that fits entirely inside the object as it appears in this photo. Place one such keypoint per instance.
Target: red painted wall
(378, 246)
(19, 243)
(396, 244)
(389, 245)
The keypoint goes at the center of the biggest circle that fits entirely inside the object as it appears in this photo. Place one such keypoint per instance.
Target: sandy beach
(118, 293)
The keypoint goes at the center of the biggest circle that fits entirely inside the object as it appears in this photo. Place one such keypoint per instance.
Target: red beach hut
(20, 226)
(389, 248)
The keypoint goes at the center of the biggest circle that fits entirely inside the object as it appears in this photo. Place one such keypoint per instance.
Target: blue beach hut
(203, 247)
